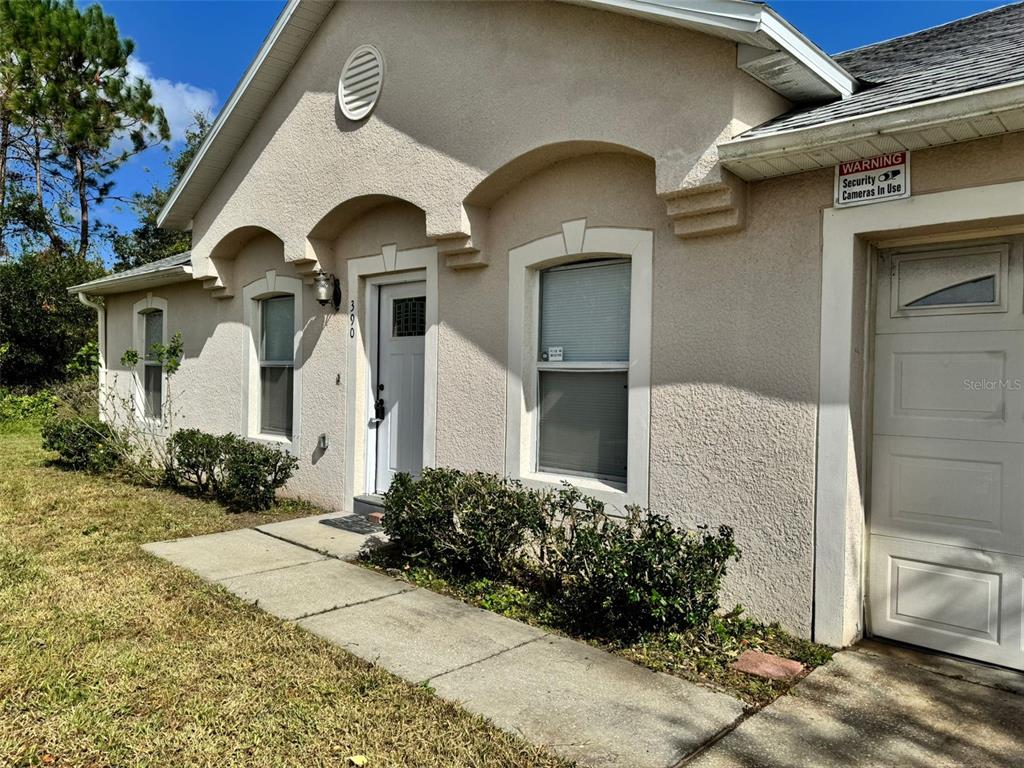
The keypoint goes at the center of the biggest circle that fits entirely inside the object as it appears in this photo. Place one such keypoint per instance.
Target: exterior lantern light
(328, 289)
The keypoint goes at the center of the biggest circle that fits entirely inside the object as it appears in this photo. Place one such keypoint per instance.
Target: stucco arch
(526, 164)
(322, 238)
(229, 245)
(213, 262)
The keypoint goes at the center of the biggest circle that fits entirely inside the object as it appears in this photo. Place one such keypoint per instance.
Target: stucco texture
(481, 128)
(468, 88)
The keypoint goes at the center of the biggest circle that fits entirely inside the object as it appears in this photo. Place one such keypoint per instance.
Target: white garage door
(947, 498)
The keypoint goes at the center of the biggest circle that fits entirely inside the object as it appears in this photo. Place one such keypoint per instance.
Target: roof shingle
(969, 54)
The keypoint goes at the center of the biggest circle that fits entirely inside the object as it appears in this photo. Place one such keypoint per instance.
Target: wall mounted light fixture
(328, 289)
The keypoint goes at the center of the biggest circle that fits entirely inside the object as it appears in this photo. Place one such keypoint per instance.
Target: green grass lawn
(109, 656)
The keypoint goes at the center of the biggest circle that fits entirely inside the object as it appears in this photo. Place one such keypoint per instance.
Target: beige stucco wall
(469, 88)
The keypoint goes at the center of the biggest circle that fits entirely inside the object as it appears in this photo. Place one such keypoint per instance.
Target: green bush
(251, 473)
(642, 574)
(195, 459)
(81, 443)
(604, 577)
(33, 406)
(473, 523)
(243, 475)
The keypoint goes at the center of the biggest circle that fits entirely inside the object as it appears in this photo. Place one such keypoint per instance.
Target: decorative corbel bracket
(709, 209)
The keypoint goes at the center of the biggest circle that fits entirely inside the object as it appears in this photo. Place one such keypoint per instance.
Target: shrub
(243, 475)
(195, 458)
(80, 443)
(642, 574)
(33, 406)
(474, 523)
(251, 473)
(604, 577)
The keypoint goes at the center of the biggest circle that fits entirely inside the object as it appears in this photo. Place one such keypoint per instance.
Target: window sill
(611, 493)
(286, 444)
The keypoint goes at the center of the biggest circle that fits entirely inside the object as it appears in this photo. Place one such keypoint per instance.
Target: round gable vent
(361, 80)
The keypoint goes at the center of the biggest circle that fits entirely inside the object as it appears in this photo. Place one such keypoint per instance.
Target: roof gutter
(178, 273)
(101, 329)
(987, 102)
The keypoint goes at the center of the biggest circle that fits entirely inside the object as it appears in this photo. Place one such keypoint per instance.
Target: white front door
(947, 497)
(398, 381)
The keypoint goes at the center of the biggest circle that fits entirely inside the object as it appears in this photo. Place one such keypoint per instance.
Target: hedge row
(606, 577)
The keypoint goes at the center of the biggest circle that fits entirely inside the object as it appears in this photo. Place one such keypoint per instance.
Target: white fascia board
(115, 283)
(225, 114)
(918, 116)
(752, 23)
(734, 15)
(819, 63)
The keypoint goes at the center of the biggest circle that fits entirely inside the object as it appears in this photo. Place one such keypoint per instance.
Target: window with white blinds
(277, 364)
(152, 370)
(583, 380)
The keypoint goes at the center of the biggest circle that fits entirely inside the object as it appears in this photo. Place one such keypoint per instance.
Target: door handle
(378, 410)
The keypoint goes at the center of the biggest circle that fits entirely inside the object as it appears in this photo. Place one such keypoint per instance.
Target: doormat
(353, 523)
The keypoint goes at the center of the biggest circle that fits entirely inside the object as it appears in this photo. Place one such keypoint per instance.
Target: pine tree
(146, 242)
(80, 116)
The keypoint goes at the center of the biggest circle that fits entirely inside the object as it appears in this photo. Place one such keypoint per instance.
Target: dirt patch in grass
(109, 656)
(703, 656)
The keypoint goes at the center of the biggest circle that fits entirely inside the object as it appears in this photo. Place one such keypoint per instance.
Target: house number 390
(352, 319)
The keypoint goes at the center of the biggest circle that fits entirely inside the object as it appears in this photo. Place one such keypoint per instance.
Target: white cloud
(178, 100)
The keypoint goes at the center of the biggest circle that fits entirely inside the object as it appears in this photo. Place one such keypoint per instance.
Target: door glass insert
(979, 291)
(409, 316)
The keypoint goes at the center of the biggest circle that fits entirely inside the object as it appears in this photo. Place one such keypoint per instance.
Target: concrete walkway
(581, 702)
(883, 706)
(874, 706)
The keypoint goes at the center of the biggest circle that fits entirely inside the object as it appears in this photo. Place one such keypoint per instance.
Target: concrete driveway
(882, 706)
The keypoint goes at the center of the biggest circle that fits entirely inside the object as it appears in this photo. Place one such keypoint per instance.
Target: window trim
(577, 242)
(269, 286)
(139, 311)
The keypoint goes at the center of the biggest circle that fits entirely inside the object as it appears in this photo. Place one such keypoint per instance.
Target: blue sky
(195, 52)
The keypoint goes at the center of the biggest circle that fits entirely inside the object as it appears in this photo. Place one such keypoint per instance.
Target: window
(582, 368)
(152, 369)
(409, 316)
(277, 364)
(578, 386)
(979, 291)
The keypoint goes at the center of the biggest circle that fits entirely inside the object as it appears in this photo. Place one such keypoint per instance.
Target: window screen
(584, 309)
(583, 384)
(277, 369)
(152, 371)
(583, 423)
(278, 329)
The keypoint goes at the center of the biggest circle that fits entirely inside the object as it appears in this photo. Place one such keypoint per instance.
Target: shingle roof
(966, 55)
(177, 260)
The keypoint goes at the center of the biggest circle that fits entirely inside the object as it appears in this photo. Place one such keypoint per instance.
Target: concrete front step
(581, 702)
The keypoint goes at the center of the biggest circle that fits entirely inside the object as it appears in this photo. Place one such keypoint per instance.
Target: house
(669, 251)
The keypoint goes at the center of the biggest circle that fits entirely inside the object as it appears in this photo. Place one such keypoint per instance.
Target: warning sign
(873, 180)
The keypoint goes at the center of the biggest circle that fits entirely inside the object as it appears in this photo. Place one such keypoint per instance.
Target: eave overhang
(125, 282)
(768, 48)
(937, 122)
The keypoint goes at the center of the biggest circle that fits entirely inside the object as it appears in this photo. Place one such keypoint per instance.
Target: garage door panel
(958, 492)
(956, 600)
(946, 550)
(954, 385)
